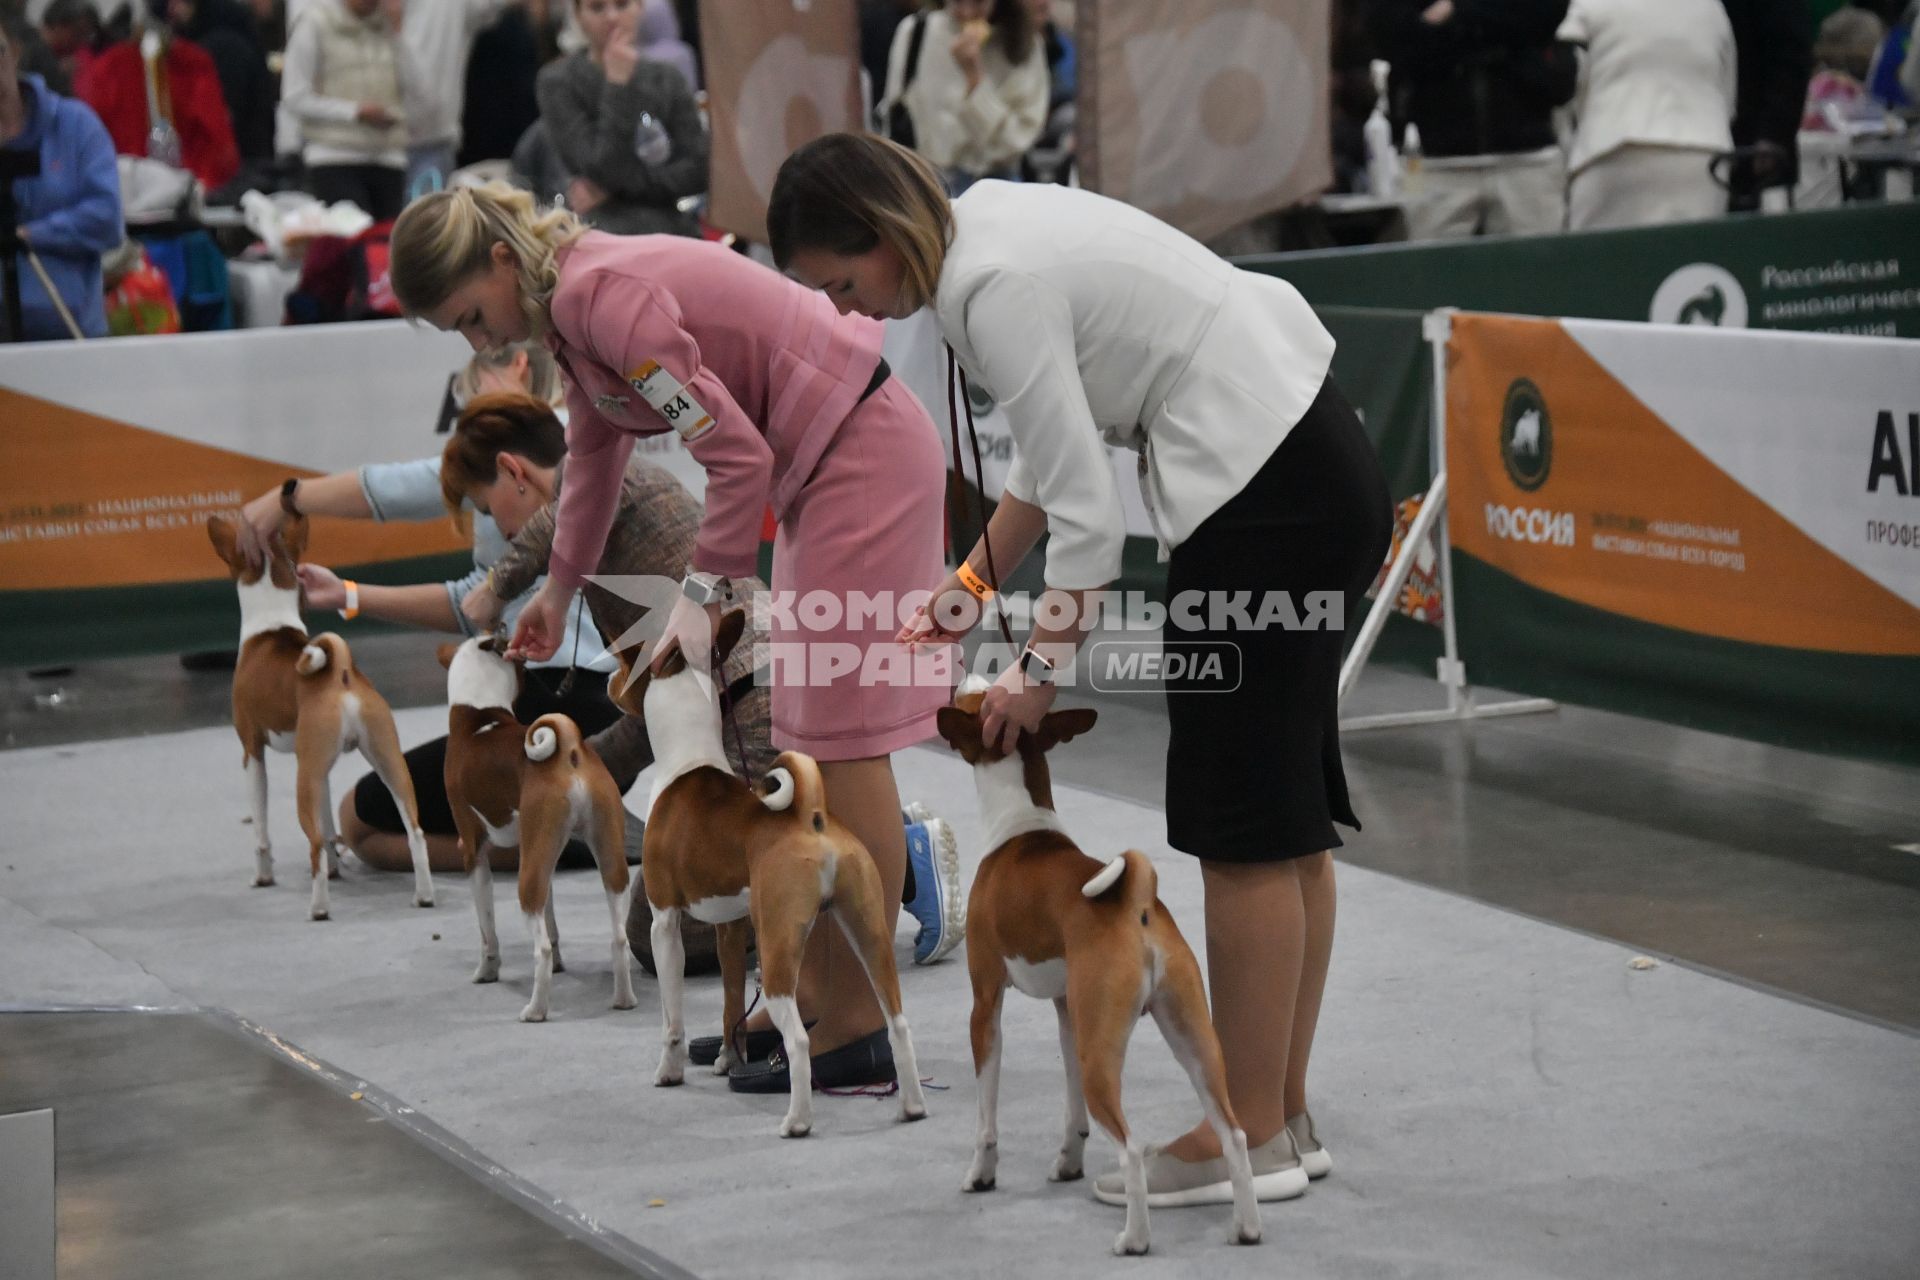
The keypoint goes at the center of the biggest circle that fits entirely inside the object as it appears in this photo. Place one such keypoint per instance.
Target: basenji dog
(1095, 939)
(536, 788)
(303, 695)
(722, 852)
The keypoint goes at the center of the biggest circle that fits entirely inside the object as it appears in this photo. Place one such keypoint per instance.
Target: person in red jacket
(115, 86)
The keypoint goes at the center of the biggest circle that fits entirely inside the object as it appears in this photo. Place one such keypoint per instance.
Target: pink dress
(764, 381)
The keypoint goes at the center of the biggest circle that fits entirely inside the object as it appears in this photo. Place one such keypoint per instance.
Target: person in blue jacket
(69, 215)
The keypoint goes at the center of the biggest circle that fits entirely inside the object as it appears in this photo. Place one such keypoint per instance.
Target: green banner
(1834, 271)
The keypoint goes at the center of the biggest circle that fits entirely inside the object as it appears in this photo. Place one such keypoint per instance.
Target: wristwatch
(289, 488)
(1035, 667)
(703, 588)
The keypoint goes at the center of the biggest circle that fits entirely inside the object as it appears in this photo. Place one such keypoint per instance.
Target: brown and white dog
(537, 789)
(1095, 939)
(720, 851)
(305, 696)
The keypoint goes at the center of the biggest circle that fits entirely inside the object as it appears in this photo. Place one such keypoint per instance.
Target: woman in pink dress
(787, 404)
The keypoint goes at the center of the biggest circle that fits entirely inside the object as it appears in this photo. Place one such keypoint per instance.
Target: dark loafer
(704, 1051)
(866, 1061)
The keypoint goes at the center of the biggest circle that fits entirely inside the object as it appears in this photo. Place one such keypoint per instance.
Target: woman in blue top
(70, 214)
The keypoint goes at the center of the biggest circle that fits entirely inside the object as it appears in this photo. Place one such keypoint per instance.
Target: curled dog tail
(794, 783)
(324, 651)
(1139, 883)
(550, 735)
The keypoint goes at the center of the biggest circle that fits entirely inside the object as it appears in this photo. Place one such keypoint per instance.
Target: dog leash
(733, 721)
(954, 377)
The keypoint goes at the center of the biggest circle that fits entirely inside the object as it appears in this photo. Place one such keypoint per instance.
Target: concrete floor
(182, 1135)
(1504, 1097)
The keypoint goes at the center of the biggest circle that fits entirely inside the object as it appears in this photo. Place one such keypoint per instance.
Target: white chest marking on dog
(1044, 981)
(265, 607)
(281, 742)
(720, 910)
(477, 678)
(1005, 804)
(683, 719)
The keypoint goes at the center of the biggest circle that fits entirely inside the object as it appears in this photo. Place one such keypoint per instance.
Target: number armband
(671, 400)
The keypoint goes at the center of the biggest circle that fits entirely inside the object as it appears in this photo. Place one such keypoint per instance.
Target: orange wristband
(974, 583)
(352, 610)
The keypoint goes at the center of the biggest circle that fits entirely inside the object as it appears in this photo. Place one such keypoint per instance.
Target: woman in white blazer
(1655, 105)
(1091, 321)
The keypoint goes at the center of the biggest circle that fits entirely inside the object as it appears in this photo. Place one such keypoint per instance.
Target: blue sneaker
(937, 903)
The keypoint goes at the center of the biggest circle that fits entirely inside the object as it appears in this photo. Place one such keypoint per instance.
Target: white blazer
(1089, 321)
(1655, 73)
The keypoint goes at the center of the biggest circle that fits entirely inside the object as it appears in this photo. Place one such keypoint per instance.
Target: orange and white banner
(117, 452)
(1756, 487)
(779, 74)
(1205, 113)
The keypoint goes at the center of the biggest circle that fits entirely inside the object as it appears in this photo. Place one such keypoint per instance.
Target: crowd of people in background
(1531, 115)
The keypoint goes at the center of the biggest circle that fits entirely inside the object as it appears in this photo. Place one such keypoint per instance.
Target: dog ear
(1057, 727)
(628, 688)
(225, 541)
(732, 626)
(445, 653)
(293, 532)
(675, 663)
(961, 729)
(282, 559)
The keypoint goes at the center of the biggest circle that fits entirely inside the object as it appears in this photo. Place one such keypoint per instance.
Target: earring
(523, 488)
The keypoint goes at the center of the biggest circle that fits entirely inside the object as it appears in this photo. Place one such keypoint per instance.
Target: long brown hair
(490, 425)
(1014, 27)
(847, 193)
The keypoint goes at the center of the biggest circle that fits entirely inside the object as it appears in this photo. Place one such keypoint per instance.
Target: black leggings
(586, 702)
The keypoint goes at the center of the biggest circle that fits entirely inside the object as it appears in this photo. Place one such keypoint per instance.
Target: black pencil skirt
(1253, 760)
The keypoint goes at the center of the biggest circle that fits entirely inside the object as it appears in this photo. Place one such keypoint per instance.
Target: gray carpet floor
(1503, 1098)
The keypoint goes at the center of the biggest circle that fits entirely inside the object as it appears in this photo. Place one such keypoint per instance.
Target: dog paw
(795, 1128)
(625, 1002)
(559, 965)
(1245, 1235)
(418, 901)
(726, 1062)
(1065, 1170)
(1126, 1246)
(668, 1074)
(911, 1111)
(979, 1184)
(263, 882)
(489, 971)
(531, 1014)
(321, 915)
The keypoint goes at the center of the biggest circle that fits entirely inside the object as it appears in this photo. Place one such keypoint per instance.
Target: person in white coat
(972, 75)
(1654, 107)
(1091, 321)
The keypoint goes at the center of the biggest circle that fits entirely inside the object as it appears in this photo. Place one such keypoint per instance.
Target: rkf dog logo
(1526, 436)
(1700, 293)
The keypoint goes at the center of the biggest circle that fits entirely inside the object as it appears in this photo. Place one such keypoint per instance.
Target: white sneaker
(1180, 1184)
(1314, 1158)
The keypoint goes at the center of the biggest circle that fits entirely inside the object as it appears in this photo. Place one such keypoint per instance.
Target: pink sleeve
(597, 456)
(631, 327)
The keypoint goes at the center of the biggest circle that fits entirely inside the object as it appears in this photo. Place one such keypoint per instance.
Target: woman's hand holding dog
(321, 587)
